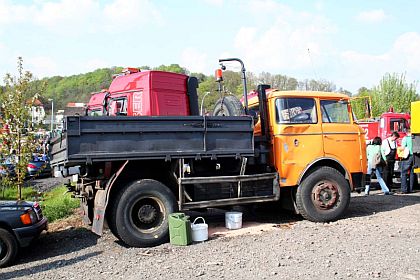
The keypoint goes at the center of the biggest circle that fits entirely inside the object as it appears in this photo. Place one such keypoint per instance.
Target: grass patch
(57, 204)
(11, 193)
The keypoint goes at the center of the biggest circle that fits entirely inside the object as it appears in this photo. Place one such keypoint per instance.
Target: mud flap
(99, 212)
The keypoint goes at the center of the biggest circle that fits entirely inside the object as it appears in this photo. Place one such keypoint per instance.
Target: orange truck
(301, 149)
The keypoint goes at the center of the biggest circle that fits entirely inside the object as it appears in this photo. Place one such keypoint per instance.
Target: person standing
(372, 151)
(389, 149)
(407, 164)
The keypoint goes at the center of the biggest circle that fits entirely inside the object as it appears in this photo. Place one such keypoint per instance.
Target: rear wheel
(8, 247)
(228, 106)
(323, 196)
(142, 211)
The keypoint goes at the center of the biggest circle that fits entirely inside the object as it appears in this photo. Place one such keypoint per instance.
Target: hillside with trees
(78, 88)
(392, 90)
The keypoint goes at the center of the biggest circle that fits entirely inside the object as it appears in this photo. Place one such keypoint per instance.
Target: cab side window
(334, 111)
(399, 125)
(118, 107)
(296, 110)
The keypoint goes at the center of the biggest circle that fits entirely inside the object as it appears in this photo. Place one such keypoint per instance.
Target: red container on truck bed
(149, 93)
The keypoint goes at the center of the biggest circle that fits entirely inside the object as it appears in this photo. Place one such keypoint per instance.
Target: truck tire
(228, 106)
(8, 247)
(142, 211)
(111, 213)
(323, 196)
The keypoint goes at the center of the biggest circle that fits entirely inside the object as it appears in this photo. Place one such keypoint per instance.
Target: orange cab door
(342, 139)
(297, 137)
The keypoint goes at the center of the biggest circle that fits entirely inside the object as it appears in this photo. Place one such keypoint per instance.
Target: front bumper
(25, 235)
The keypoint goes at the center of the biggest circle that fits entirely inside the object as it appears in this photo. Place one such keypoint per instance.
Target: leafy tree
(207, 93)
(280, 82)
(392, 91)
(320, 85)
(18, 138)
(172, 68)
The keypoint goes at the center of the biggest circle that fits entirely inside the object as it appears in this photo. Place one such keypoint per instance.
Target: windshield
(95, 112)
(296, 110)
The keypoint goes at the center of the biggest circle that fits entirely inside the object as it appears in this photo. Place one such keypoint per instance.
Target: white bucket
(199, 232)
(233, 220)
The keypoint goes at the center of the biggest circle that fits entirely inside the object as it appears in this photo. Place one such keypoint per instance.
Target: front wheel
(323, 196)
(8, 247)
(141, 213)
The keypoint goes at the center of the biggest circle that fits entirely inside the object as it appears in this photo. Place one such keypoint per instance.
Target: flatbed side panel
(89, 139)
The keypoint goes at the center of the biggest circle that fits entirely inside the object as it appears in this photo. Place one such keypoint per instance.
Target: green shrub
(57, 204)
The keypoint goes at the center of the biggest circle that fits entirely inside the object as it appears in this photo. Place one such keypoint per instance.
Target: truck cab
(95, 106)
(312, 129)
(386, 124)
(146, 93)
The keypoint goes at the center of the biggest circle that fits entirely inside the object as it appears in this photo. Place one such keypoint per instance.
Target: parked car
(39, 167)
(20, 223)
(7, 169)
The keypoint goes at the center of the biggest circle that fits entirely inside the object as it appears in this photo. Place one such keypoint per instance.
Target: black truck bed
(90, 139)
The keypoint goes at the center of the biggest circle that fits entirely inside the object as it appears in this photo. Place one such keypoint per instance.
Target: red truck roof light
(130, 70)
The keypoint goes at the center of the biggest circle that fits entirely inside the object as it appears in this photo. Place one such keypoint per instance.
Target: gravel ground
(378, 238)
(46, 184)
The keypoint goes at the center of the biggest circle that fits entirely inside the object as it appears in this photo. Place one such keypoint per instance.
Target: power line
(312, 64)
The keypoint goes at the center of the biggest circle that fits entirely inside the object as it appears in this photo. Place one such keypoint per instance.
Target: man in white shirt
(389, 150)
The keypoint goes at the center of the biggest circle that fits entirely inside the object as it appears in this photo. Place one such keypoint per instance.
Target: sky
(350, 43)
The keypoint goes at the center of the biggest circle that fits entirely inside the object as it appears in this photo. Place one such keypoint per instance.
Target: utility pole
(52, 114)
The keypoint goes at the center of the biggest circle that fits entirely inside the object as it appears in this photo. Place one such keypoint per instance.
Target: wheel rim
(147, 213)
(325, 195)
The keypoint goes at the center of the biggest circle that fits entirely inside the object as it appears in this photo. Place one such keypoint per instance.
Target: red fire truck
(384, 126)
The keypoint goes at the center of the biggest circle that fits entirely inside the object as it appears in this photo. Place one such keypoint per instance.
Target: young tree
(392, 91)
(17, 138)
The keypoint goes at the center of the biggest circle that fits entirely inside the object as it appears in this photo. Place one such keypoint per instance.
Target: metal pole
(243, 80)
(202, 102)
(52, 116)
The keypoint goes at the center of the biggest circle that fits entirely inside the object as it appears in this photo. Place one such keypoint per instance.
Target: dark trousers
(389, 173)
(407, 166)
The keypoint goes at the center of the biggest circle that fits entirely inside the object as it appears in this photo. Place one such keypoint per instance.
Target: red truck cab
(386, 124)
(95, 107)
(152, 93)
(146, 93)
